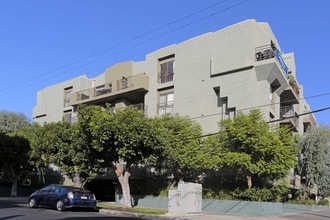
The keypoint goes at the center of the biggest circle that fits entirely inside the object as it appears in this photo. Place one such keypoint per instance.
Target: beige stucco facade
(207, 78)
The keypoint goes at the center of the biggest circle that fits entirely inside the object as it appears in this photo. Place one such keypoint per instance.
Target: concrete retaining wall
(227, 206)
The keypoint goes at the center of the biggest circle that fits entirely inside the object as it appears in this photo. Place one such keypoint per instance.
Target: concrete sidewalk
(195, 216)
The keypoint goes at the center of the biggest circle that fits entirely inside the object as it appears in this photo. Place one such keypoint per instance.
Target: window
(67, 116)
(67, 94)
(166, 69)
(166, 103)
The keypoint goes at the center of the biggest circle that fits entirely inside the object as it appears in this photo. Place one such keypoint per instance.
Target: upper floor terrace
(269, 62)
(131, 88)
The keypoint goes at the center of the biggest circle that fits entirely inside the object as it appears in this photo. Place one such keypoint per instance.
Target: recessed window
(166, 66)
(166, 103)
(67, 94)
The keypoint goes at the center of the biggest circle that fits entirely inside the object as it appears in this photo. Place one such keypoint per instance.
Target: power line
(298, 115)
(277, 120)
(265, 105)
(7, 89)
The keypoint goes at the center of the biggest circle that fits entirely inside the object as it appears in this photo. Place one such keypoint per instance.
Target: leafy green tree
(14, 158)
(248, 144)
(315, 159)
(136, 140)
(183, 153)
(69, 147)
(49, 144)
(12, 121)
(14, 148)
(89, 157)
(123, 139)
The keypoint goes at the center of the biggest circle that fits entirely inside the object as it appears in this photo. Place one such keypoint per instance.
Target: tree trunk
(14, 187)
(306, 189)
(14, 178)
(76, 181)
(123, 178)
(249, 179)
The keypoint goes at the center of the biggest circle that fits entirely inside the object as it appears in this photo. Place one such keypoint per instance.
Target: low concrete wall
(242, 207)
(227, 206)
(295, 208)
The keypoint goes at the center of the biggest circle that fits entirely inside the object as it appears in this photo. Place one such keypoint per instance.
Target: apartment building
(207, 78)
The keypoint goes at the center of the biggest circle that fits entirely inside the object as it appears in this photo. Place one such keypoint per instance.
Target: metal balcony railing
(124, 83)
(288, 113)
(135, 85)
(164, 77)
(270, 51)
(82, 95)
(104, 89)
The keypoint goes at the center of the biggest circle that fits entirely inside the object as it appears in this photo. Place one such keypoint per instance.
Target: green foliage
(182, 137)
(142, 210)
(280, 191)
(315, 163)
(253, 148)
(323, 202)
(309, 202)
(14, 159)
(12, 121)
(220, 195)
(182, 153)
(255, 194)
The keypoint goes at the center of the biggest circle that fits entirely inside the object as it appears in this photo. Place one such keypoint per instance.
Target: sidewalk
(196, 216)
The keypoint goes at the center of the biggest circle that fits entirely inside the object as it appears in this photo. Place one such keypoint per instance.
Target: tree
(99, 139)
(315, 159)
(248, 144)
(14, 148)
(51, 143)
(70, 147)
(89, 155)
(123, 139)
(14, 158)
(12, 121)
(182, 155)
(135, 140)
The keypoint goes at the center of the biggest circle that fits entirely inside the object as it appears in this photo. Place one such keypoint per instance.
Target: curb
(144, 216)
(132, 214)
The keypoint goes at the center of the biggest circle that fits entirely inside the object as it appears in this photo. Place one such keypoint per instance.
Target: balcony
(288, 116)
(270, 62)
(164, 77)
(82, 95)
(309, 121)
(131, 88)
(270, 51)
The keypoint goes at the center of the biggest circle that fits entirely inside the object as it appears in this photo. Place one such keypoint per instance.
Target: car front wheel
(60, 206)
(32, 203)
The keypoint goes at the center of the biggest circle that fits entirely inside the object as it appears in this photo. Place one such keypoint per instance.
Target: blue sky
(47, 42)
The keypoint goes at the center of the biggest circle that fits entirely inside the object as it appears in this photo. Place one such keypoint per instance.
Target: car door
(53, 195)
(43, 194)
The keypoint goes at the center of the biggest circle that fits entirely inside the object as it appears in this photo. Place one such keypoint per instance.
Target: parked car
(62, 197)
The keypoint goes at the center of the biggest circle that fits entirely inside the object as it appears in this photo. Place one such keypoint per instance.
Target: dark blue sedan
(62, 197)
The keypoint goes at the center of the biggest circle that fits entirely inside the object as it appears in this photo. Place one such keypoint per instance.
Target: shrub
(255, 194)
(302, 202)
(323, 202)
